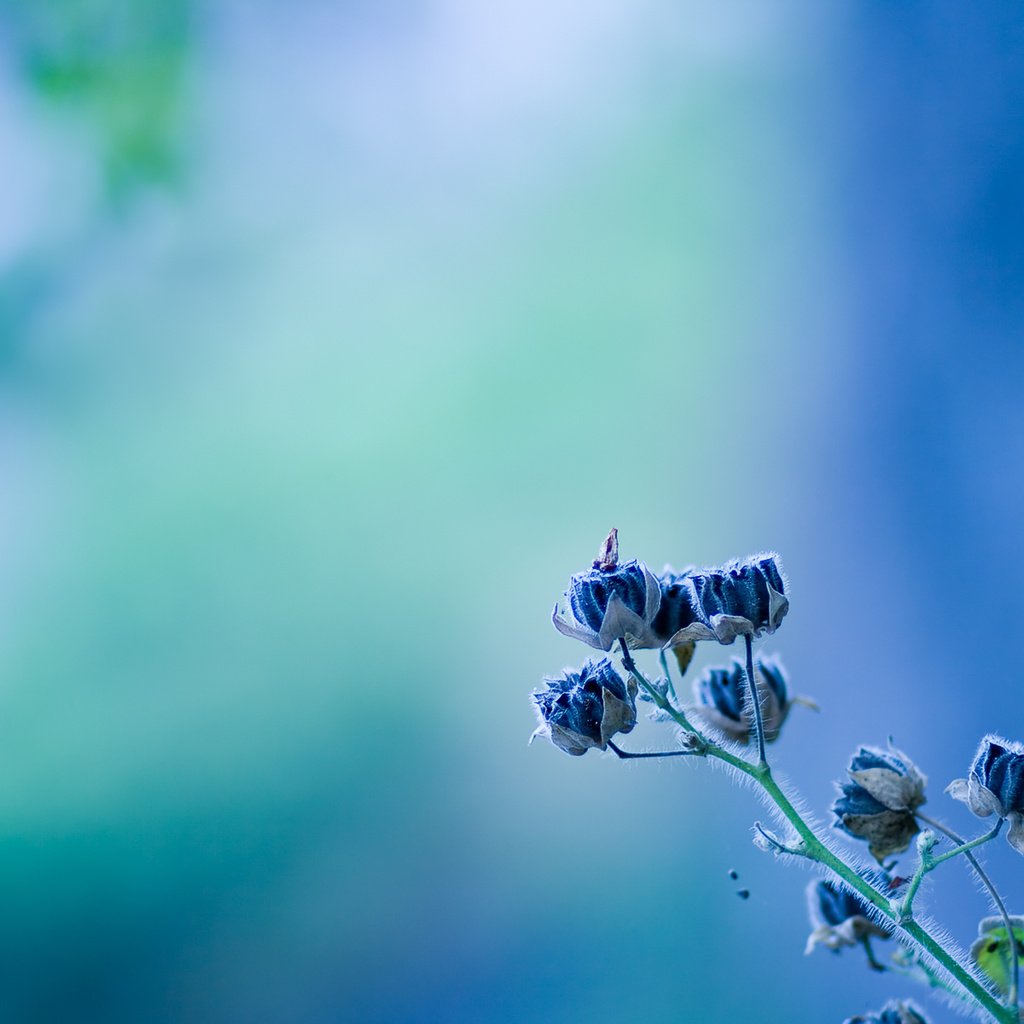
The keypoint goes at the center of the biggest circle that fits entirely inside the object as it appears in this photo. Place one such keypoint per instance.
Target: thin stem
(625, 754)
(755, 702)
(667, 706)
(819, 852)
(872, 961)
(967, 847)
(663, 658)
(996, 899)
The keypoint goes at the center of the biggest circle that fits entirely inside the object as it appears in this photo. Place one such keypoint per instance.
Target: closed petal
(688, 634)
(1015, 836)
(576, 631)
(727, 627)
(778, 605)
(981, 800)
(571, 742)
(653, 601)
(892, 790)
(618, 717)
(620, 621)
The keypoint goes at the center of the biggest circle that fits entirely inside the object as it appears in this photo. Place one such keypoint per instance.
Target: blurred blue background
(334, 337)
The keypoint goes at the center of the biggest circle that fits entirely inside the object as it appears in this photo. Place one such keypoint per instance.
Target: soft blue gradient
(333, 339)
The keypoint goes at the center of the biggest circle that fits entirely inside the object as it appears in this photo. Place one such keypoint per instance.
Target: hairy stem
(818, 851)
(993, 892)
(626, 754)
(928, 862)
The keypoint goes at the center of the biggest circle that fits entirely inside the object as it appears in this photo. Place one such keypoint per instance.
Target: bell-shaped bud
(745, 597)
(995, 785)
(879, 802)
(585, 708)
(611, 600)
(839, 917)
(721, 696)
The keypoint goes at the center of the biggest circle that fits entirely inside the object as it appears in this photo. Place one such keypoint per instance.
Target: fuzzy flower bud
(745, 597)
(609, 601)
(721, 695)
(585, 709)
(995, 785)
(879, 802)
(839, 917)
(894, 1012)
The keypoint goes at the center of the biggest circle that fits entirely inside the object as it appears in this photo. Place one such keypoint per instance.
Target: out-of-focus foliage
(118, 66)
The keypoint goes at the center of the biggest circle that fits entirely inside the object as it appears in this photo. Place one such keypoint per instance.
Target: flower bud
(839, 916)
(585, 709)
(610, 600)
(991, 950)
(894, 1012)
(745, 597)
(878, 803)
(995, 785)
(721, 695)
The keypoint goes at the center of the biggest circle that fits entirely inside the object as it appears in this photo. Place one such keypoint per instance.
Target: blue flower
(894, 1012)
(839, 916)
(609, 601)
(721, 695)
(995, 785)
(585, 709)
(879, 802)
(744, 597)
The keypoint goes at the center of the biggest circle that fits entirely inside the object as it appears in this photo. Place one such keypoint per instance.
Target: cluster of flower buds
(612, 600)
(721, 697)
(894, 1012)
(624, 601)
(995, 785)
(839, 918)
(585, 708)
(744, 597)
(879, 801)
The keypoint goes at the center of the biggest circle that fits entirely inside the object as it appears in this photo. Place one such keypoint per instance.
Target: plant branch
(996, 899)
(816, 850)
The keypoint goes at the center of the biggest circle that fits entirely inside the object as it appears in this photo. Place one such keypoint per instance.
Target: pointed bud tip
(608, 556)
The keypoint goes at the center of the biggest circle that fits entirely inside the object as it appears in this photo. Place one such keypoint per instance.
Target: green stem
(928, 862)
(817, 850)
(1014, 952)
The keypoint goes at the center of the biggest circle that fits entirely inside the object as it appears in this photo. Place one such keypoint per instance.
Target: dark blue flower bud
(610, 600)
(721, 695)
(995, 785)
(746, 597)
(879, 802)
(678, 608)
(894, 1012)
(839, 917)
(585, 709)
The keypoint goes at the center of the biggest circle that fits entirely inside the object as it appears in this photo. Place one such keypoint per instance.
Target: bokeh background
(334, 337)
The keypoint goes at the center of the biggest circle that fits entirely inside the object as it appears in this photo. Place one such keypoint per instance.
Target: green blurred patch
(118, 66)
